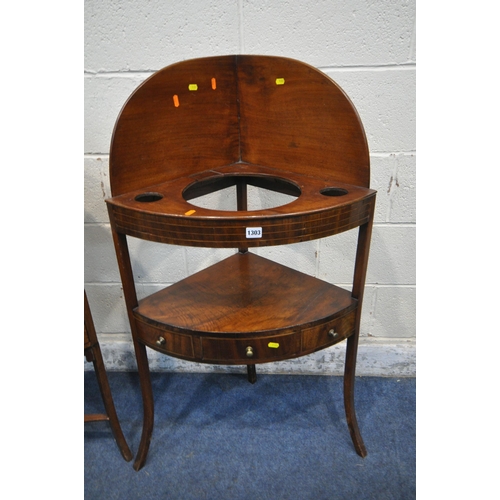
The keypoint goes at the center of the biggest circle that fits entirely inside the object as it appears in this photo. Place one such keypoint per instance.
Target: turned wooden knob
(332, 333)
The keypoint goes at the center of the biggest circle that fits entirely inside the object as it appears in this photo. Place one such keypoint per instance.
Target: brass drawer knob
(249, 352)
(161, 341)
(332, 333)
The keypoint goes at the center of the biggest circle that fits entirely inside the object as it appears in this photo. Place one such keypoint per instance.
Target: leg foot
(352, 423)
(148, 406)
(252, 374)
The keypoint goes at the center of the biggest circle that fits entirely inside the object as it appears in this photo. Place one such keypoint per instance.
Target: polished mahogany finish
(203, 125)
(161, 212)
(285, 315)
(264, 110)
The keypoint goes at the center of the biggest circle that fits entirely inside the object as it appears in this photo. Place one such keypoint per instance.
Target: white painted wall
(368, 48)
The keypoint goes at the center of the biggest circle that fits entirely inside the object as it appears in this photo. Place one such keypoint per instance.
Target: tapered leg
(252, 374)
(147, 404)
(349, 377)
(123, 258)
(360, 268)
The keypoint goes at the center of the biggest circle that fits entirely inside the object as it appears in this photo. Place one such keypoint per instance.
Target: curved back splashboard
(201, 114)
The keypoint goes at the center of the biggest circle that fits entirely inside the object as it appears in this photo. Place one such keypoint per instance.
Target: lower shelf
(245, 310)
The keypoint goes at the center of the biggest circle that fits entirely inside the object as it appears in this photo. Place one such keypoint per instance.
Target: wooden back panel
(294, 117)
(155, 141)
(206, 113)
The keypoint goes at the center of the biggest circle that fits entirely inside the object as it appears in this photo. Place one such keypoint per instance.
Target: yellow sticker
(190, 212)
(193, 86)
(273, 345)
(280, 81)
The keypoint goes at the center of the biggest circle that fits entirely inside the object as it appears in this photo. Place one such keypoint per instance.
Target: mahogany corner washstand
(207, 124)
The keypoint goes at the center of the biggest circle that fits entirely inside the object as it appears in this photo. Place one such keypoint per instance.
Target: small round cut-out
(334, 191)
(148, 197)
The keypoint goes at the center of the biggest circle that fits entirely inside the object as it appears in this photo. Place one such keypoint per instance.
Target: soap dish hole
(148, 197)
(333, 191)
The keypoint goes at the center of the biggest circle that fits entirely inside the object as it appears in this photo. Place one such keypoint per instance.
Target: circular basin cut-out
(333, 191)
(253, 192)
(148, 197)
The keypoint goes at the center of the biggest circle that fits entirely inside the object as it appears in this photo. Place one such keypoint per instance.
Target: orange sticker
(214, 83)
(190, 212)
(176, 101)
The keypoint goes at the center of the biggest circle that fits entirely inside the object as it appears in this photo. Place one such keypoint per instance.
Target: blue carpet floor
(219, 437)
